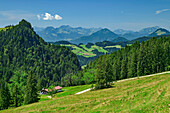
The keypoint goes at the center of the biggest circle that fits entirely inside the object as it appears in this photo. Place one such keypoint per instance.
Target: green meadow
(84, 51)
(141, 95)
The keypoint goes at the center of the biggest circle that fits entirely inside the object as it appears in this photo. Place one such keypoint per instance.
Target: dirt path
(143, 76)
(83, 91)
(126, 80)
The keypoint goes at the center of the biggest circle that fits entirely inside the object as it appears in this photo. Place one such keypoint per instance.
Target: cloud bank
(160, 11)
(48, 16)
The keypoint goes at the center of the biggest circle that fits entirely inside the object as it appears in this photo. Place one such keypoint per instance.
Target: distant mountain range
(130, 35)
(92, 35)
(99, 36)
(122, 31)
(65, 32)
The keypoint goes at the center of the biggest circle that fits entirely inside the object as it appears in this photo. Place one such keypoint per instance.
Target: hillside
(64, 32)
(160, 32)
(151, 56)
(23, 50)
(149, 94)
(99, 36)
(87, 53)
(119, 39)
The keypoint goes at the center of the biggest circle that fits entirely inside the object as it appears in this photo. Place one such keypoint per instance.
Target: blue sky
(112, 14)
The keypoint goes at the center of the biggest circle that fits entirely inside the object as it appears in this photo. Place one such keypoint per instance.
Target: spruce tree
(100, 75)
(31, 94)
(16, 95)
(109, 73)
(4, 95)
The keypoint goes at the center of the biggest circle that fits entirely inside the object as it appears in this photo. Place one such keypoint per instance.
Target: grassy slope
(79, 51)
(66, 91)
(117, 46)
(87, 52)
(151, 94)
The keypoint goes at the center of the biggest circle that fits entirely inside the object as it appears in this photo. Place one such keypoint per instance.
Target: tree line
(139, 59)
(18, 95)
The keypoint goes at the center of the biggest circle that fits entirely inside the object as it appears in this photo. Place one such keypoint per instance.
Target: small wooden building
(45, 91)
(58, 88)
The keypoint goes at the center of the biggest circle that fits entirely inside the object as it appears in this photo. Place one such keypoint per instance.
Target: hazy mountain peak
(101, 35)
(105, 30)
(160, 31)
(65, 26)
(149, 30)
(122, 31)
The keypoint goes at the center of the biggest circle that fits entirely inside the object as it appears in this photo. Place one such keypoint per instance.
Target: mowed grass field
(150, 94)
(87, 52)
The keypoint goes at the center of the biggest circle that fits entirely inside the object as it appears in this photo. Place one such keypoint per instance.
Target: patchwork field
(150, 94)
(88, 52)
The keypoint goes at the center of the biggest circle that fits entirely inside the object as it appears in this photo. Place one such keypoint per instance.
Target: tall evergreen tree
(109, 73)
(140, 64)
(124, 68)
(4, 95)
(31, 94)
(100, 75)
(16, 96)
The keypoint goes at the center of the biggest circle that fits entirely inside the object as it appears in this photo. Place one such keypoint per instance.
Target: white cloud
(57, 17)
(160, 11)
(39, 17)
(48, 16)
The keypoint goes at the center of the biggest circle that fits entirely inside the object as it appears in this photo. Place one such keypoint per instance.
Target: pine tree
(100, 75)
(15, 95)
(104, 75)
(39, 84)
(109, 73)
(31, 95)
(4, 95)
(124, 68)
(140, 63)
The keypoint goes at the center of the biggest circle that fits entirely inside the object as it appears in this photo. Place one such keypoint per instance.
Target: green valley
(87, 53)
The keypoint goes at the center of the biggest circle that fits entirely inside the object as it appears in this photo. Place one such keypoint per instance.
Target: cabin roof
(57, 87)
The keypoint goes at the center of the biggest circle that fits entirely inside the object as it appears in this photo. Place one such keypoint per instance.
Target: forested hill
(139, 59)
(22, 50)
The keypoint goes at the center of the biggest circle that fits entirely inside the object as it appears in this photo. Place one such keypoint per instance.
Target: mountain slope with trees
(28, 63)
(139, 59)
(22, 49)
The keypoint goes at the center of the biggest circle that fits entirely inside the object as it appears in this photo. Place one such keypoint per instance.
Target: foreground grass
(151, 94)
